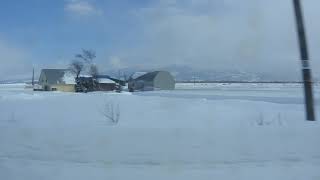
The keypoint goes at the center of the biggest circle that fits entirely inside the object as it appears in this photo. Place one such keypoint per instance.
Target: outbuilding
(106, 84)
(157, 80)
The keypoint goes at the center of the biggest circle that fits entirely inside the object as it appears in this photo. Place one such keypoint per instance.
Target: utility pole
(33, 77)
(306, 69)
(194, 80)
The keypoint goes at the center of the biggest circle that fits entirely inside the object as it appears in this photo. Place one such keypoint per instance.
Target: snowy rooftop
(105, 81)
(137, 74)
(69, 78)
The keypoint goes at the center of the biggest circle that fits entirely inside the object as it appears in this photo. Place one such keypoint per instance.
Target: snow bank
(18, 86)
(66, 136)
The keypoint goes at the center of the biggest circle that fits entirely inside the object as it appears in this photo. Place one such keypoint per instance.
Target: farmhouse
(57, 80)
(64, 80)
(157, 80)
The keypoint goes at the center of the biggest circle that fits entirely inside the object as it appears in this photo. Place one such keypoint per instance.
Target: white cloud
(81, 8)
(251, 35)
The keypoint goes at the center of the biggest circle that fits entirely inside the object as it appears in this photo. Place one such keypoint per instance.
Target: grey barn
(157, 80)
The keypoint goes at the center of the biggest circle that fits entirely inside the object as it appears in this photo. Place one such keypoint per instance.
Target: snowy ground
(215, 131)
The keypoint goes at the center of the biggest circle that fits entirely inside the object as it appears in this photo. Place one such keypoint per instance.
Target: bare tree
(111, 112)
(125, 77)
(269, 120)
(76, 67)
(87, 56)
(93, 70)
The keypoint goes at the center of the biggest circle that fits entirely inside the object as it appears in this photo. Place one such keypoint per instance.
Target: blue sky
(249, 35)
(53, 29)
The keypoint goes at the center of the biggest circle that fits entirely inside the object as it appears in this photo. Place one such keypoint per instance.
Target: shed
(157, 80)
(106, 84)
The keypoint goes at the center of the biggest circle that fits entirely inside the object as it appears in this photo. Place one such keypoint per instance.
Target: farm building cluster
(64, 80)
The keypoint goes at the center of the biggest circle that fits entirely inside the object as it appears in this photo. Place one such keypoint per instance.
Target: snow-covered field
(213, 131)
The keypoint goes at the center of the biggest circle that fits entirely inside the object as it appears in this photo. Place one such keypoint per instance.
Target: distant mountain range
(15, 81)
(185, 73)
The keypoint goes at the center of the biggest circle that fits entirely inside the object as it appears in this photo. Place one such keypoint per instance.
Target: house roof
(69, 78)
(54, 76)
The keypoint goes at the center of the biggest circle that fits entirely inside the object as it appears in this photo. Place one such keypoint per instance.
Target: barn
(157, 80)
(57, 80)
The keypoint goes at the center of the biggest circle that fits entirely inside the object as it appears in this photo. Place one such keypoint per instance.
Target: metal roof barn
(157, 80)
